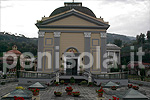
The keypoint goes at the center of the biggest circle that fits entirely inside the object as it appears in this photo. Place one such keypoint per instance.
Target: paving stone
(86, 93)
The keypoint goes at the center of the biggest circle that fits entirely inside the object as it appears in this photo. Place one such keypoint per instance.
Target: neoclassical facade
(69, 32)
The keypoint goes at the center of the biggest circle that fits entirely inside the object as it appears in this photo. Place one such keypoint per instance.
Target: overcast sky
(126, 17)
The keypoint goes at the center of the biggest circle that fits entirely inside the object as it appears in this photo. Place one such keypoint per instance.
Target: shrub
(4, 76)
(84, 83)
(72, 80)
(56, 82)
(90, 83)
(2, 83)
(20, 87)
(62, 81)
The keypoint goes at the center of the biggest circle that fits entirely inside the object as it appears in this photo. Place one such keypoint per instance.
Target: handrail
(32, 74)
(38, 72)
(109, 73)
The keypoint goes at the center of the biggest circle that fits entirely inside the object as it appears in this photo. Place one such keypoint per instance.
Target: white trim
(57, 34)
(103, 35)
(87, 34)
(41, 34)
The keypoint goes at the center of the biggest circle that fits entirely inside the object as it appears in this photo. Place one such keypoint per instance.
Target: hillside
(23, 43)
(125, 39)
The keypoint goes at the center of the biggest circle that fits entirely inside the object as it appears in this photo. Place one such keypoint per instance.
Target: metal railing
(8, 75)
(115, 75)
(39, 75)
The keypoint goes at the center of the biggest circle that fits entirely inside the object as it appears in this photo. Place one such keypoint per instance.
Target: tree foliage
(118, 42)
(148, 36)
(23, 43)
(140, 38)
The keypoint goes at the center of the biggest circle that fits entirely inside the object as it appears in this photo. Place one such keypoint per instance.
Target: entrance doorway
(71, 66)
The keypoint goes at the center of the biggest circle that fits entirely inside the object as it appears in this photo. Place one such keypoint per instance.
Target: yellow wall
(48, 47)
(72, 20)
(95, 38)
(75, 40)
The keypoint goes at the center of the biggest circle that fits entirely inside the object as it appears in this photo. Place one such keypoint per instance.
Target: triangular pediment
(72, 18)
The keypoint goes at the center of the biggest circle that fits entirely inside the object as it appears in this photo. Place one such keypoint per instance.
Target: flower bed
(114, 98)
(35, 91)
(57, 94)
(100, 92)
(135, 87)
(18, 98)
(69, 89)
(76, 94)
(113, 87)
(57, 83)
(130, 85)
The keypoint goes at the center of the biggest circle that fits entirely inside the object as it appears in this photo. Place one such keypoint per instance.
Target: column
(87, 37)
(103, 51)
(40, 49)
(56, 50)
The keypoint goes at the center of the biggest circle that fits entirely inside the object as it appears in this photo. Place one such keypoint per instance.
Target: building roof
(110, 84)
(18, 93)
(14, 50)
(136, 64)
(112, 47)
(73, 6)
(37, 85)
(131, 94)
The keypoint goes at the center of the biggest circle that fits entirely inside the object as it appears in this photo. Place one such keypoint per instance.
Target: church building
(71, 29)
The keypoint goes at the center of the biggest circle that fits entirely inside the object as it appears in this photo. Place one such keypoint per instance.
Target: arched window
(72, 50)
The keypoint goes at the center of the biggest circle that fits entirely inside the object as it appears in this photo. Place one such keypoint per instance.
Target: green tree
(118, 42)
(148, 36)
(142, 36)
(138, 39)
(18, 67)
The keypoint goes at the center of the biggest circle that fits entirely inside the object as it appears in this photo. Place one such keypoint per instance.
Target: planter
(113, 88)
(100, 94)
(69, 90)
(135, 87)
(76, 95)
(66, 83)
(35, 93)
(57, 84)
(57, 94)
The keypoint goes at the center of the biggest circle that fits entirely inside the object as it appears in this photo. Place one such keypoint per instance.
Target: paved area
(87, 93)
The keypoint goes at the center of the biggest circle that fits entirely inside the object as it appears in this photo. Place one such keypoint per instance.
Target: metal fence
(39, 75)
(115, 75)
